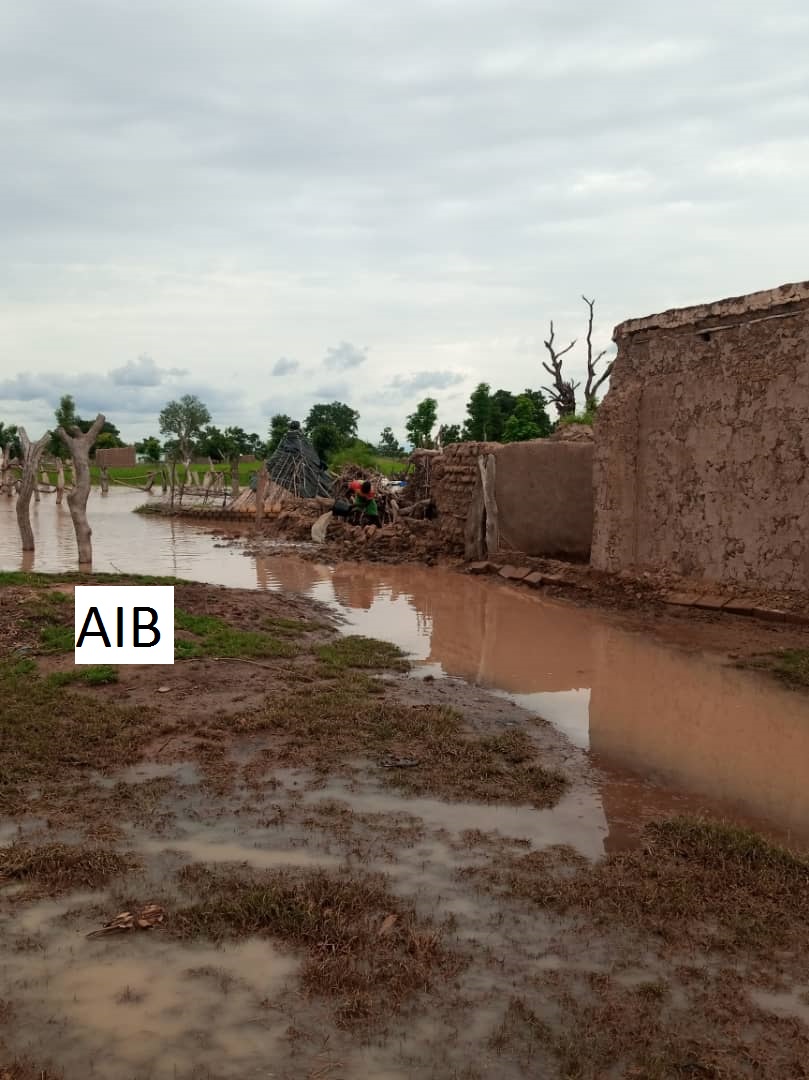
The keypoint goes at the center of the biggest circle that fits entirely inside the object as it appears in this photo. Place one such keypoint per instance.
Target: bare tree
(563, 392)
(594, 380)
(31, 454)
(79, 444)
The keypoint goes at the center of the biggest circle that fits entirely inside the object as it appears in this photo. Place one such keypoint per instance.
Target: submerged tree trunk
(60, 481)
(31, 453)
(79, 444)
(105, 480)
(234, 478)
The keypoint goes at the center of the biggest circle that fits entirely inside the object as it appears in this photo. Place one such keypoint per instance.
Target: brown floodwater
(716, 735)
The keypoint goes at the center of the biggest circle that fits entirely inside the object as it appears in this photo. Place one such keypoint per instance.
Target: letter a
(101, 632)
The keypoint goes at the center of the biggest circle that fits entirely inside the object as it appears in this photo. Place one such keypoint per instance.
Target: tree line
(187, 430)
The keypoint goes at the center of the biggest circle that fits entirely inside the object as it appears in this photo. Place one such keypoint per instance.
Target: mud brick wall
(543, 490)
(702, 443)
(454, 475)
(117, 457)
(544, 495)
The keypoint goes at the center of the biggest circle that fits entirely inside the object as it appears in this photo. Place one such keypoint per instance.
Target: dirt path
(357, 874)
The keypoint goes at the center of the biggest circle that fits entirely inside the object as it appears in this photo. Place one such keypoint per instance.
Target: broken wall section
(702, 443)
(543, 492)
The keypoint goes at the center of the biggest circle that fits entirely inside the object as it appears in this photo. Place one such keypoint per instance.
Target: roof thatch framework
(296, 466)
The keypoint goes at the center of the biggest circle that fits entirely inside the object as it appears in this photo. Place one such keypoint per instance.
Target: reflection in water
(710, 730)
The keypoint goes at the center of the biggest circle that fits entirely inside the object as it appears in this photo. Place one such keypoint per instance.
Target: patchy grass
(57, 639)
(11, 578)
(791, 666)
(327, 725)
(21, 1069)
(60, 867)
(89, 675)
(47, 729)
(293, 627)
(365, 950)
(716, 887)
(362, 653)
(214, 637)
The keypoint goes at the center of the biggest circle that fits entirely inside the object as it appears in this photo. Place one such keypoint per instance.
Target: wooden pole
(31, 453)
(79, 444)
(488, 475)
(234, 478)
(60, 481)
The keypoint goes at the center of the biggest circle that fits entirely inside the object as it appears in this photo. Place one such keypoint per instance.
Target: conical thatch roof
(295, 466)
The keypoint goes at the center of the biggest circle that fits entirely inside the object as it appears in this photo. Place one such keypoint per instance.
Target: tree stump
(105, 480)
(79, 444)
(31, 453)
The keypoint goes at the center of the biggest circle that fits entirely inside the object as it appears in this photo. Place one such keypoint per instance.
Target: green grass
(791, 666)
(91, 675)
(57, 639)
(214, 637)
(22, 579)
(355, 651)
(366, 460)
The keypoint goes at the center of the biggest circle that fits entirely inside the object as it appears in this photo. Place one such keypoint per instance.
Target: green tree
(541, 418)
(211, 443)
(389, 445)
(10, 438)
(420, 424)
(479, 414)
(150, 448)
(326, 439)
(503, 403)
(522, 425)
(184, 419)
(279, 425)
(341, 417)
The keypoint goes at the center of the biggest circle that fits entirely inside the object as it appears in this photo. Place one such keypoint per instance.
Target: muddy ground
(356, 873)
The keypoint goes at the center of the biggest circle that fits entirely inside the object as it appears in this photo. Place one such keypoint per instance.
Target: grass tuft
(91, 675)
(60, 867)
(355, 651)
(364, 949)
(214, 637)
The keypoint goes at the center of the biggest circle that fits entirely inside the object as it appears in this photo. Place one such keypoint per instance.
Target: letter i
(120, 614)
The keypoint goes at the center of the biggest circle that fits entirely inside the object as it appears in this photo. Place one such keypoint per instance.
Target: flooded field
(396, 877)
(643, 710)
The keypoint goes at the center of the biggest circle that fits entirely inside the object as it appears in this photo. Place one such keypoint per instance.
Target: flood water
(642, 709)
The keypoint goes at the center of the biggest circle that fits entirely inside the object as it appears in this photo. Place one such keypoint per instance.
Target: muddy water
(641, 708)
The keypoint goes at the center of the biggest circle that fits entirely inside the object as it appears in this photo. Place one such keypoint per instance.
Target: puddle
(204, 850)
(793, 1003)
(146, 1007)
(642, 709)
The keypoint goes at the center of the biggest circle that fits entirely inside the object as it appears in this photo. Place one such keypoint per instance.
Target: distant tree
(279, 425)
(67, 418)
(563, 391)
(540, 404)
(184, 419)
(326, 439)
(150, 448)
(449, 433)
(211, 443)
(502, 406)
(420, 424)
(9, 437)
(254, 444)
(389, 445)
(479, 414)
(341, 417)
(522, 424)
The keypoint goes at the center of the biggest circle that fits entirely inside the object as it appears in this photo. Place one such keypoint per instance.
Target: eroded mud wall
(702, 443)
(544, 494)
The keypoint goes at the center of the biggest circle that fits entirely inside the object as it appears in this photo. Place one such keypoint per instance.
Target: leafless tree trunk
(105, 480)
(31, 453)
(60, 481)
(5, 470)
(234, 478)
(261, 493)
(149, 482)
(79, 444)
(563, 392)
(594, 380)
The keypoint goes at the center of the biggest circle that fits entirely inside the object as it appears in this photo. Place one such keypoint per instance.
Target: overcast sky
(276, 202)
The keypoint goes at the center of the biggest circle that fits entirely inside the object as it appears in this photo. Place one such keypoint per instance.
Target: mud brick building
(702, 443)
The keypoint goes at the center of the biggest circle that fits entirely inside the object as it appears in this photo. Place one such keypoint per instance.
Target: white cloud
(344, 356)
(284, 366)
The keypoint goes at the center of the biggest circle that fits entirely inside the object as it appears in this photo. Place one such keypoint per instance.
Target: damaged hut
(295, 472)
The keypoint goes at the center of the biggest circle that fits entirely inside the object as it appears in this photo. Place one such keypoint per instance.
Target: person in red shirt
(364, 498)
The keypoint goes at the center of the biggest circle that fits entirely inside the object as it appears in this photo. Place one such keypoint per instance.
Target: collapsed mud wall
(702, 443)
(543, 491)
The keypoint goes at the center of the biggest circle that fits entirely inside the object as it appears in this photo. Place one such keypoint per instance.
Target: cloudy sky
(276, 202)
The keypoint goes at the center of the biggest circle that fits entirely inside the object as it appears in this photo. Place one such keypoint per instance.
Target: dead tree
(104, 480)
(31, 453)
(594, 380)
(80, 444)
(234, 477)
(563, 392)
(60, 481)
